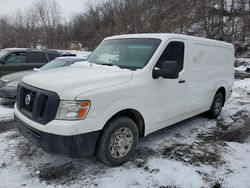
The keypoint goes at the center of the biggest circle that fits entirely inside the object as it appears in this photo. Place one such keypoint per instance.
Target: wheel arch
(222, 87)
(222, 90)
(133, 114)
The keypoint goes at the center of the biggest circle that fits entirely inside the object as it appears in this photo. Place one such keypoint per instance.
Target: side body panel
(211, 67)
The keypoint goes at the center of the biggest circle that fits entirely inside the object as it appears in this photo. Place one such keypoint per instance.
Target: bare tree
(47, 14)
(41, 24)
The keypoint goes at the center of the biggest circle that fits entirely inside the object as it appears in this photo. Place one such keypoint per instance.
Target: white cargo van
(132, 85)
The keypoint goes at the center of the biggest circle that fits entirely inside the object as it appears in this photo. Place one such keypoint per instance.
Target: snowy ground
(6, 113)
(198, 152)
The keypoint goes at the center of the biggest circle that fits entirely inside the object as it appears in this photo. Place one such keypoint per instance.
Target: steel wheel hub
(121, 143)
(218, 105)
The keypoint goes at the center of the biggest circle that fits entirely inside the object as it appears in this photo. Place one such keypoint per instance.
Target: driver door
(171, 94)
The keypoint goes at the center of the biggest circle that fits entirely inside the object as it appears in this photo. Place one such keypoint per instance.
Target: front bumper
(8, 93)
(71, 146)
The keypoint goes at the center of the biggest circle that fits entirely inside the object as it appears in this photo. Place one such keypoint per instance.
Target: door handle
(182, 81)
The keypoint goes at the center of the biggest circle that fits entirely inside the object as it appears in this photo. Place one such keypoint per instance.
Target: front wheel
(118, 141)
(216, 106)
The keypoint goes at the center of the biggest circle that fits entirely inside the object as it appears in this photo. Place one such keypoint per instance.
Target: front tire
(216, 106)
(118, 141)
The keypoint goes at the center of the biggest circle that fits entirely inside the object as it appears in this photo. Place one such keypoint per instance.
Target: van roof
(164, 36)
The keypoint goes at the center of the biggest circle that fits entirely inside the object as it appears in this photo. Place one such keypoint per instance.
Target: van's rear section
(211, 68)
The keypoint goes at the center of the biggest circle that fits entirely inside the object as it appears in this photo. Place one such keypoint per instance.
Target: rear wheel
(217, 105)
(118, 141)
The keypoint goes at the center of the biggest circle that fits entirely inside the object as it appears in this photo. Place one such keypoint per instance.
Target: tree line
(42, 24)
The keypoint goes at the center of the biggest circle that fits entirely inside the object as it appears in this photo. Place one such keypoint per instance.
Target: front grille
(44, 104)
(37, 104)
(2, 83)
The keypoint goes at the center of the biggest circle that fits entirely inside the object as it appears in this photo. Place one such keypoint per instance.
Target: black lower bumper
(71, 146)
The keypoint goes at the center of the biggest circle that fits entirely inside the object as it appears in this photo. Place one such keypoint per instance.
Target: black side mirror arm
(166, 74)
(157, 73)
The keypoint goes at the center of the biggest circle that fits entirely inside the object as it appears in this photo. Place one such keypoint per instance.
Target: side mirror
(168, 70)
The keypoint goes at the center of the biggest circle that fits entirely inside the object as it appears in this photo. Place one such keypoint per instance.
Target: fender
(124, 104)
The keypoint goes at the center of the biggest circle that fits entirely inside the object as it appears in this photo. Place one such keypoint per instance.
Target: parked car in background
(19, 59)
(9, 82)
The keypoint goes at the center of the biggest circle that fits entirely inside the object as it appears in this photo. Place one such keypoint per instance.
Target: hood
(17, 76)
(69, 82)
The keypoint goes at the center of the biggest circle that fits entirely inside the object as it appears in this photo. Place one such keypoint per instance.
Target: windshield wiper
(108, 64)
(120, 66)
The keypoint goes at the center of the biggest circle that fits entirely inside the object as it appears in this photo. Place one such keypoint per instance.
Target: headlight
(73, 110)
(13, 84)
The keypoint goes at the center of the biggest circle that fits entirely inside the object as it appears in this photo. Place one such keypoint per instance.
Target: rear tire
(118, 141)
(216, 106)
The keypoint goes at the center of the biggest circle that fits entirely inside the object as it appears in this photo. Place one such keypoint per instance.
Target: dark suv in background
(18, 59)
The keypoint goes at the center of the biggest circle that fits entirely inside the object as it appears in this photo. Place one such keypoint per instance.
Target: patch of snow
(175, 173)
(242, 63)
(159, 172)
(239, 163)
(97, 66)
(10, 173)
(37, 70)
(6, 113)
(240, 68)
(241, 88)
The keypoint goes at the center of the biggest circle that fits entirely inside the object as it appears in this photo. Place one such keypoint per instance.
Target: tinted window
(17, 57)
(125, 53)
(36, 57)
(173, 52)
(52, 55)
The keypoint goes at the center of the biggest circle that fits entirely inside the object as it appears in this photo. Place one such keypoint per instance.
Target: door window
(173, 52)
(36, 57)
(15, 58)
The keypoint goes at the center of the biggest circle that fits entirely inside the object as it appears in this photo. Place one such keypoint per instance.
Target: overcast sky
(69, 7)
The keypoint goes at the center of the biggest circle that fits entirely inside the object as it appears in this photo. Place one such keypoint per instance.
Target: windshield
(125, 53)
(54, 64)
(3, 54)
